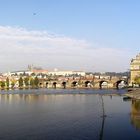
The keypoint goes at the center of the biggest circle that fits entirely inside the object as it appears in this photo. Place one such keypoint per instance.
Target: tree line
(27, 82)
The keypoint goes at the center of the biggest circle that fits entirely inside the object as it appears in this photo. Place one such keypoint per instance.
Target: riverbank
(30, 88)
(133, 93)
(65, 91)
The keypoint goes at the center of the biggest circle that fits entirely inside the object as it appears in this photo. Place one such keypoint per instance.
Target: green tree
(24, 73)
(33, 74)
(2, 83)
(20, 82)
(26, 81)
(7, 82)
(36, 82)
(12, 84)
(32, 82)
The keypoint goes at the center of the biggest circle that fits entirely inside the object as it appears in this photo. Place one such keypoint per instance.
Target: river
(68, 114)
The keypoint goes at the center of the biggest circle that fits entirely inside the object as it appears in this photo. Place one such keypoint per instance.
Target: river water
(51, 114)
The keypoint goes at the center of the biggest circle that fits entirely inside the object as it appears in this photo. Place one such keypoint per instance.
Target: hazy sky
(88, 35)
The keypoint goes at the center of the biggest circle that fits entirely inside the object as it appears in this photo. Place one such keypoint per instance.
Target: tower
(134, 68)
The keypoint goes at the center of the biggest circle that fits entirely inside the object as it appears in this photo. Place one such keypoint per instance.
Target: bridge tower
(134, 68)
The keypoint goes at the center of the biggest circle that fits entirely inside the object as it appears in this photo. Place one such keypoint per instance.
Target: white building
(18, 73)
(64, 73)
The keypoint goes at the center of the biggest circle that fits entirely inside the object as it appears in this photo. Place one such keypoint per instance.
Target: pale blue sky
(104, 24)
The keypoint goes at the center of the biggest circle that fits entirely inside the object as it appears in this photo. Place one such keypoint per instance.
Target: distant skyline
(86, 35)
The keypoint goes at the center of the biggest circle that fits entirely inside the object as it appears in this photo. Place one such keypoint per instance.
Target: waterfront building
(134, 68)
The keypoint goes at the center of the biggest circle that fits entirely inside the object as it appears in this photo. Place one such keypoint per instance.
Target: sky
(86, 35)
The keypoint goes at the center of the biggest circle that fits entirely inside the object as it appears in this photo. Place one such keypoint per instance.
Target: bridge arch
(40, 84)
(64, 84)
(74, 84)
(87, 84)
(54, 84)
(121, 84)
(46, 84)
(103, 84)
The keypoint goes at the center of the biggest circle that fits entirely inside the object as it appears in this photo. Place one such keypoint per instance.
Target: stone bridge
(114, 82)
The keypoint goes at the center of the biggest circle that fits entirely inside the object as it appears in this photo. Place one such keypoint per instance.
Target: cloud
(20, 47)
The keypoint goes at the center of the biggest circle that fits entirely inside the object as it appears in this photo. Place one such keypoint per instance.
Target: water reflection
(68, 116)
(32, 98)
(51, 117)
(103, 118)
(8, 98)
(135, 113)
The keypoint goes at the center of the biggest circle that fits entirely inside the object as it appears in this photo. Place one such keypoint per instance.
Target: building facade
(134, 68)
(64, 73)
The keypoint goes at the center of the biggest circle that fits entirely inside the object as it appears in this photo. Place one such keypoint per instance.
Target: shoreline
(25, 88)
(133, 93)
(65, 91)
